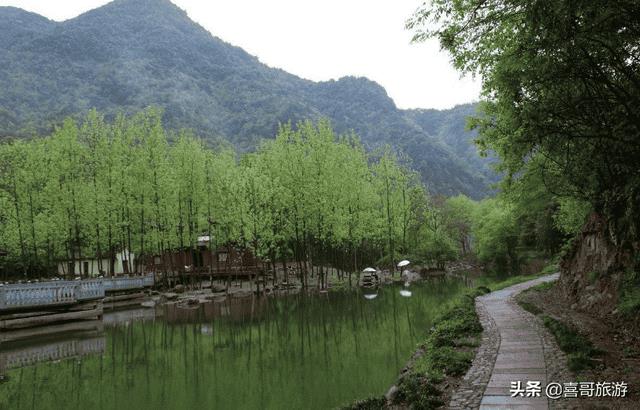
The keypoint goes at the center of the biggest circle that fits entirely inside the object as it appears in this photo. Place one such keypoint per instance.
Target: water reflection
(118, 317)
(46, 332)
(295, 351)
(370, 293)
(87, 339)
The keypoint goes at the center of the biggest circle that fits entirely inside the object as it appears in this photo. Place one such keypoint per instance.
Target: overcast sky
(321, 40)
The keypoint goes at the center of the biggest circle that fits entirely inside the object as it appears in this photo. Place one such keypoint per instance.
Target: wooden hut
(224, 261)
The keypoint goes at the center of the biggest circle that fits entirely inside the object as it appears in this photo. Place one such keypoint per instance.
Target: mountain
(130, 54)
(449, 126)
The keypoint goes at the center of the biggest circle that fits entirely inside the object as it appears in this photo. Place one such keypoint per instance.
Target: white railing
(149, 281)
(91, 289)
(52, 351)
(29, 295)
(37, 294)
(127, 283)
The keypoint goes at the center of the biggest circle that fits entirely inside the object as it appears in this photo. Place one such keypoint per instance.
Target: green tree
(495, 234)
(562, 87)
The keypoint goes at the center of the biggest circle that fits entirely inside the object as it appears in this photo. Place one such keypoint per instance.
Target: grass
(578, 348)
(419, 393)
(500, 283)
(497, 283)
(530, 307)
(629, 301)
(446, 354)
(541, 287)
(372, 403)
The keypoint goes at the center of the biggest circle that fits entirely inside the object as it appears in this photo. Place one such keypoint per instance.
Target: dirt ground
(611, 334)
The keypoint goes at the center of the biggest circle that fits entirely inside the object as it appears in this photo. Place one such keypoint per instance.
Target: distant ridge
(130, 54)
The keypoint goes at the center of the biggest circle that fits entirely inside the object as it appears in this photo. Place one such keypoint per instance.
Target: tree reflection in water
(293, 351)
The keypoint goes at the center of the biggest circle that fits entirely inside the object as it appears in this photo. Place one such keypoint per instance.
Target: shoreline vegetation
(434, 370)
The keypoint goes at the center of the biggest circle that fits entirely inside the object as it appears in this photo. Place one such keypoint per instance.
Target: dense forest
(93, 188)
(561, 86)
(131, 54)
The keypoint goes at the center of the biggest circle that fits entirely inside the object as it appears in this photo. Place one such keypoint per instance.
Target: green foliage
(629, 299)
(443, 353)
(571, 215)
(496, 283)
(629, 303)
(495, 233)
(372, 403)
(97, 188)
(447, 360)
(458, 322)
(419, 393)
(542, 286)
(549, 269)
(530, 307)
(561, 82)
(578, 348)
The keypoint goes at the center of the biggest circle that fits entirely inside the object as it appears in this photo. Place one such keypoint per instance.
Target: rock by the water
(391, 394)
(218, 288)
(148, 304)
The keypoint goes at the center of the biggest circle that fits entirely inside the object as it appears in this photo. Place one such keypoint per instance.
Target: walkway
(520, 355)
(512, 350)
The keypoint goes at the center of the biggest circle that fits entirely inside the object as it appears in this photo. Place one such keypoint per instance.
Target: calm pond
(294, 352)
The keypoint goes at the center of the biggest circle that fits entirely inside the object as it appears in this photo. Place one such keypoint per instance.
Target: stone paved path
(520, 353)
(514, 347)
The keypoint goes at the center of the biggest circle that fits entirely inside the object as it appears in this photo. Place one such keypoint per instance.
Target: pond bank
(298, 351)
(207, 292)
(435, 369)
(464, 337)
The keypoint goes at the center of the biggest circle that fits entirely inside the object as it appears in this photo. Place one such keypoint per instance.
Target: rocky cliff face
(593, 269)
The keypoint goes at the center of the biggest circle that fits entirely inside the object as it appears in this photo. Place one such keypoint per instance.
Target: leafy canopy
(561, 81)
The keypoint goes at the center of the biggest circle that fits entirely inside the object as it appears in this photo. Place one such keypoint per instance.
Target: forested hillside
(129, 55)
(563, 92)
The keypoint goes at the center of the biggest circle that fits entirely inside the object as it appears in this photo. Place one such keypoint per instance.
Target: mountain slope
(130, 54)
(449, 126)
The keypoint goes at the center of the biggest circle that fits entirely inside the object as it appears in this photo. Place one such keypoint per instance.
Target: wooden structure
(34, 304)
(229, 261)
